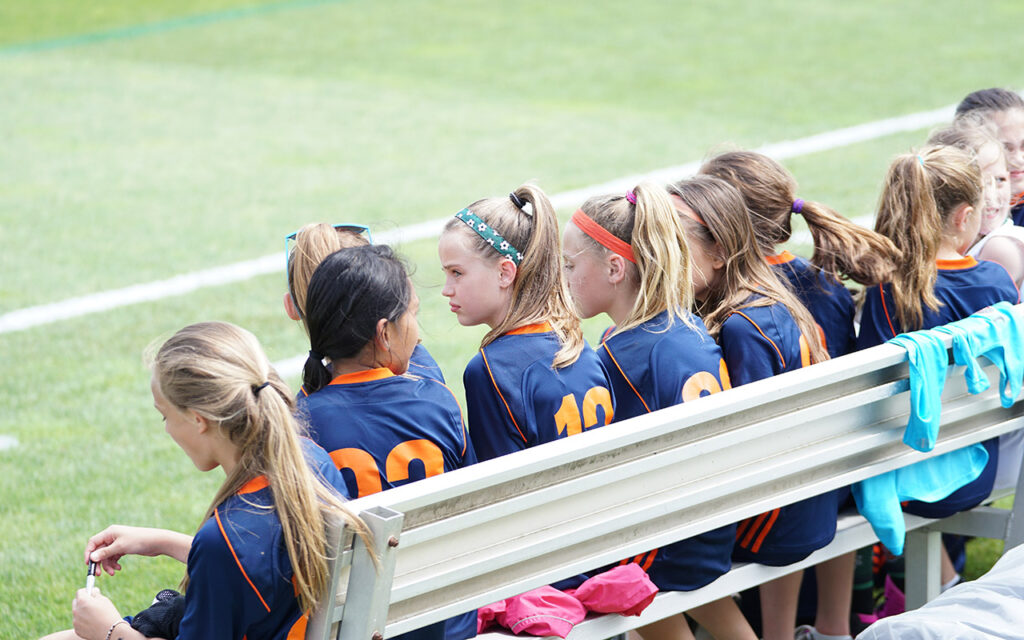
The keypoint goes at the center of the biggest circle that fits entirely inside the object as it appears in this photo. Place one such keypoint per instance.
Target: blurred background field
(146, 140)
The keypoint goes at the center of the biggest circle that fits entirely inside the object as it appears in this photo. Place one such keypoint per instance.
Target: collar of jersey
(540, 327)
(254, 485)
(367, 375)
(965, 262)
(781, 258)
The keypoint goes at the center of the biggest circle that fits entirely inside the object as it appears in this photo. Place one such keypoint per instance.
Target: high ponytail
(653, 230)
(539, 292)
(841, 247)
(920, 192)
(220, 371)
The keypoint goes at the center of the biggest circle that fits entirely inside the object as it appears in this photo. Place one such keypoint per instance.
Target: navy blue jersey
(422, 364)
(516, 399)
(829, 302)
(240, 576)
(962, 286)
(654, 366)
(760, 342)
(384, 430)
(1017, 214)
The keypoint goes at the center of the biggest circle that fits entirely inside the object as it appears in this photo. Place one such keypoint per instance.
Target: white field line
(178, 285)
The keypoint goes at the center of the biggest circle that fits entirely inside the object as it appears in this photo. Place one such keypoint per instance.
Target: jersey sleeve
(876, 326)
(491, 427)
(749, 356)
(220, 604)
(423, 365)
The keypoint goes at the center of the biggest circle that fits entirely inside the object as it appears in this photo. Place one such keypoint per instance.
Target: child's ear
(960, 216)
(290, 308)
(717, 257)
(507, 271)
(616, 269)
(382, 335)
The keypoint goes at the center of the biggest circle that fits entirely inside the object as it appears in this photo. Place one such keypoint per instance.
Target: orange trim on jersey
(1017, 199)
(783, 360)
(220, 525)
(368, 375)
(302, 390)
(885, 310)
(781, 258)
(628, 381)
(298, 630)
(767, 528)
(462, 418)
(254, 485)
(965, 262)
(507, 408)
(540, 327)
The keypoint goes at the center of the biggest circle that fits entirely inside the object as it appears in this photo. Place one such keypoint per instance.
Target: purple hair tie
(631, 197)
(798, 206)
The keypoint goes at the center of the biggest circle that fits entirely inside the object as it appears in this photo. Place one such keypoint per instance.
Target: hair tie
(316, 356)
(257, 388)
(798, 206)
(920, 159)
(490, 236)
(602, 236)
(631, 197)
(516, 200)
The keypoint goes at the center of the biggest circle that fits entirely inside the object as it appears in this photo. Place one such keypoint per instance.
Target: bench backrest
(467, 538)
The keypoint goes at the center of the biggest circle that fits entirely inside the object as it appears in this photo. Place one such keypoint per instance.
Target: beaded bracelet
(111, 629)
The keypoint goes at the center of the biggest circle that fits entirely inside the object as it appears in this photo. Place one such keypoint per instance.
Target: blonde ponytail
(220, 371)
(539, 293)
(920, 192)
(653, 230)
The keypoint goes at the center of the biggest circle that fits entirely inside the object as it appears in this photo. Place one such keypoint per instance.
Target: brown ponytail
(841, 247)
(745, 274)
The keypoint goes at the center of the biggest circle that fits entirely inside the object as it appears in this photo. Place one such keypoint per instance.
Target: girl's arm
(96, 618)
(109, 545)
(1008, 252)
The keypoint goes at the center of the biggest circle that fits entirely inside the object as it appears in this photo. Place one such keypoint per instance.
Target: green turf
(147, 139)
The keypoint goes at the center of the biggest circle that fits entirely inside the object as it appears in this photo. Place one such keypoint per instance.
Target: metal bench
(477, 535)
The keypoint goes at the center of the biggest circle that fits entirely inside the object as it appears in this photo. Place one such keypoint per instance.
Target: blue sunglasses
(358, 229)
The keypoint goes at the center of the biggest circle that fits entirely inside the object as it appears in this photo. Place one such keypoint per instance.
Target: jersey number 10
(568, 418)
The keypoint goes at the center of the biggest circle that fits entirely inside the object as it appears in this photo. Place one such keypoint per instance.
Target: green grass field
(143, 140)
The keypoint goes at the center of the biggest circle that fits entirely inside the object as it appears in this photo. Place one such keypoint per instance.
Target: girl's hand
(109, 545)
(93, 614)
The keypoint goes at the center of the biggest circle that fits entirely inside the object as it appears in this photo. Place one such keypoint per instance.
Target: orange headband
(687, 211)
(602, 236)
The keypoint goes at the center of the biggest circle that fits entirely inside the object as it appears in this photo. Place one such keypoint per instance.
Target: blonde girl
(626, 256)
(763, 330)
(259, 561)
(534, 379)
(998, 239)
(1004, 109)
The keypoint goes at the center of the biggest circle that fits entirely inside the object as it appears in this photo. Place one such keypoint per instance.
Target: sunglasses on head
(358, 229)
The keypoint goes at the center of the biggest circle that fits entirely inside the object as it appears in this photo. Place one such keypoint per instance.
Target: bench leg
(923, 566)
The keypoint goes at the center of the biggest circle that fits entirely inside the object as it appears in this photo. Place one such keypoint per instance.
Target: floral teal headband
(490, 236)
